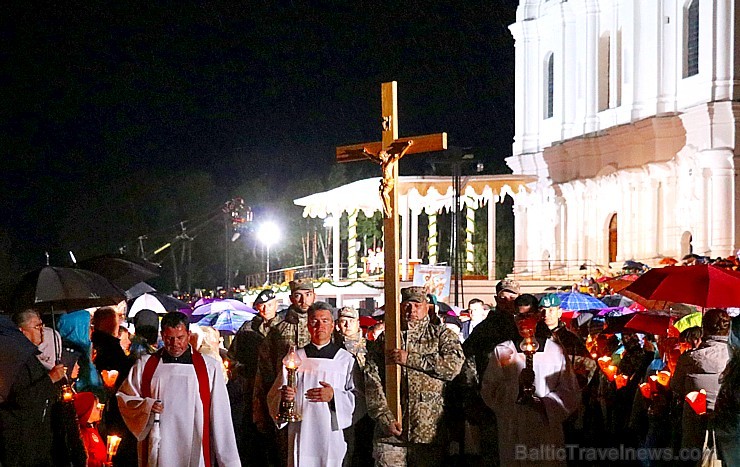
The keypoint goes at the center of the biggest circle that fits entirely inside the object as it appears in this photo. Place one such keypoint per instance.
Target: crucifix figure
(387, 153)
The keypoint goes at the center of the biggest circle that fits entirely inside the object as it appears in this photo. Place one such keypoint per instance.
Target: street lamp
(268, 234)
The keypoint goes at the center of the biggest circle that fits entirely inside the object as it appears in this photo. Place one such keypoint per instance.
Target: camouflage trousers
(411, 455)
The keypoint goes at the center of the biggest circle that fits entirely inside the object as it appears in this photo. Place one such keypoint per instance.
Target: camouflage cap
(508, 284)
(414, 294)
(549, 300)
(348, 312)
(301, 284)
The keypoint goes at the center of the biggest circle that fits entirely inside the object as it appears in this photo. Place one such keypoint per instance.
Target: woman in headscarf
(74, 328)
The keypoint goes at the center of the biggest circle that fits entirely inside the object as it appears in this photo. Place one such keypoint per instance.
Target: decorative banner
(432, 238)
(352, 245)
(435, 278)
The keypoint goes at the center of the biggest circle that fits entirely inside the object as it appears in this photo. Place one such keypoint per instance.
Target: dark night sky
(94, 93)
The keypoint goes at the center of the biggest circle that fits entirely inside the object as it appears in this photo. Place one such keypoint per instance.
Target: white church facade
(627, 113)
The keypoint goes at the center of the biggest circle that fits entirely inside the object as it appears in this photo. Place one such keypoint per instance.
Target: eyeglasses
(38, 327)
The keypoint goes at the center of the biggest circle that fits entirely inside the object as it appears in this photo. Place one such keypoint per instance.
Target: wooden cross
(387, 153)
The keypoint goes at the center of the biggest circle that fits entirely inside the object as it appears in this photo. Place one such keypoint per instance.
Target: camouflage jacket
(292, 330)
(435, 357)
(357, 347)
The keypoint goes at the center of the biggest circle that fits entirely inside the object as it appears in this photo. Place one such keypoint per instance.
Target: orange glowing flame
(292, 360)
(109, 378)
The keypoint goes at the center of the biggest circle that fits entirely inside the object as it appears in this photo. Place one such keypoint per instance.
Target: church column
(336, 243)
(352, 244)
(404, 212)
(722, 189)
(432, 235)
(414, 234)
(492, 237)
(469, 231)
(591, 122)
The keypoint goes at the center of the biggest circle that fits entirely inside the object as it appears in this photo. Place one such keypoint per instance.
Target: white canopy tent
(416, 194)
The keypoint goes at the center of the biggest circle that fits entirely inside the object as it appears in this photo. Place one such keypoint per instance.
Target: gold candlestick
(287, 408)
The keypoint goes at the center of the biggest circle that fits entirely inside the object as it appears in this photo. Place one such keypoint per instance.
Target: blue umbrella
(226, 322)
(577, 301)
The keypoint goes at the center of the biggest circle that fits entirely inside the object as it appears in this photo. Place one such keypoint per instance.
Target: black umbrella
(64, 289)
(56, 290)
(123, 271)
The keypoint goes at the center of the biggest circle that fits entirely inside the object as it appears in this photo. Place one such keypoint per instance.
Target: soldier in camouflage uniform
(431, 357)
(293, 330)
(359, 436)
(252, 444)
(349, 335)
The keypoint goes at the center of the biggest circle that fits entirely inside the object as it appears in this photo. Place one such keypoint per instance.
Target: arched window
(549, 85)
(691, 56)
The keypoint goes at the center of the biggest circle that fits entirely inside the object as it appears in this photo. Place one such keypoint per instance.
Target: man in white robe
(324, 395)
(527, 432)
(178, 386)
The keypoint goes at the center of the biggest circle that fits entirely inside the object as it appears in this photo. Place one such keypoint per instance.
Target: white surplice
(322, 443)
(181, 421)
(524, 425)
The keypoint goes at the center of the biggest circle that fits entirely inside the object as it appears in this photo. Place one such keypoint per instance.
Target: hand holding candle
(109, 378)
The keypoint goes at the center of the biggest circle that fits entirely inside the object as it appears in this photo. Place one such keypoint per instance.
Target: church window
(691, 58)
(549, 86)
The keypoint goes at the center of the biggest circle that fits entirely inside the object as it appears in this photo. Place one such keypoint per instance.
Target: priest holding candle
(315, 395)
(530, 402)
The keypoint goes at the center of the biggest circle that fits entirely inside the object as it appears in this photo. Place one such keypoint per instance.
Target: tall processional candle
(291, 362)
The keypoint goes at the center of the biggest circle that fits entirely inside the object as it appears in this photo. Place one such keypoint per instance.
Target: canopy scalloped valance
(430, 194)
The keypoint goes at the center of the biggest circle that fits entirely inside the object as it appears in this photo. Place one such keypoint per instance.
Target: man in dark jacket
(496, 328)
(25, 423)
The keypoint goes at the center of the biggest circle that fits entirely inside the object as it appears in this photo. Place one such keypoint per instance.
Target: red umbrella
(704, 285)
(649, 323)
(668, 261)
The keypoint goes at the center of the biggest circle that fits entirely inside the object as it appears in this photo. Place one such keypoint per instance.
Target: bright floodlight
(268, 233)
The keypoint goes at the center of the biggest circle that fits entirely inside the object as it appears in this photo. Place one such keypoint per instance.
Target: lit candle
(67, 394)
(109, 378)
(664, 377)
(697, 401)
(645, 390)
(621, 381)
(112, 446)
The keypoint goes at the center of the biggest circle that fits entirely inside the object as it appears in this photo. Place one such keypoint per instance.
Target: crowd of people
(509, 383)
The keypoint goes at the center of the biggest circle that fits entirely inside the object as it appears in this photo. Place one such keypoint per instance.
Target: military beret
(264, 297)
(549, 300)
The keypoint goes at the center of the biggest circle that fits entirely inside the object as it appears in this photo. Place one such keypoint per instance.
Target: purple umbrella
(221, 305)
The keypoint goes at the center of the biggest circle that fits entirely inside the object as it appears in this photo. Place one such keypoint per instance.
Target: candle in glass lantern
(697, 401)
(109, 378)
(621, 381)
